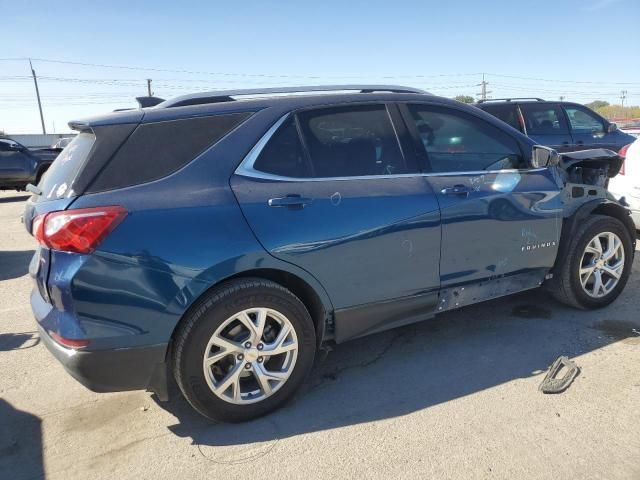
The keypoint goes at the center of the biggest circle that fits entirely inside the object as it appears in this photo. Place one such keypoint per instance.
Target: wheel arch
(41, 171)
(312, 295)
(595, 207)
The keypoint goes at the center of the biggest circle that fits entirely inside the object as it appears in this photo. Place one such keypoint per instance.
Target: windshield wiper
(33, 189)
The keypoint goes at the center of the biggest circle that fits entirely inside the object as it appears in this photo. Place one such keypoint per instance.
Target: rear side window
(283, 155)
(338, 142)
(543, 119)
(458, 142)
(58, 179)
(352, 141)
(508, 113)
(155, 150)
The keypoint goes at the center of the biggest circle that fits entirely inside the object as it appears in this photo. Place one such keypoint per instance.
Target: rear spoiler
(145, 102)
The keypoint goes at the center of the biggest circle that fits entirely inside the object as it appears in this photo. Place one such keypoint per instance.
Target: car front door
(589, 130)
(333, 192)
(545, 123)
(500, 218)
(13, 161)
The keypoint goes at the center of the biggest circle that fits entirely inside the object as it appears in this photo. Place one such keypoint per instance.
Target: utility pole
(35, 81)
(483, 91)
(623, 96)
(149, 87)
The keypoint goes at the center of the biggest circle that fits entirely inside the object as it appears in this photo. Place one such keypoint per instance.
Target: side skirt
(376, 317)
(363, 320)
(463, 295)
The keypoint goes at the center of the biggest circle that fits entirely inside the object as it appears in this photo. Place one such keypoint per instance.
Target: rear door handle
(456, 191)
(290, 201)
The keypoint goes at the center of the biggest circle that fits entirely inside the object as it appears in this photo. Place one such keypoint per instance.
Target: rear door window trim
(247, 165)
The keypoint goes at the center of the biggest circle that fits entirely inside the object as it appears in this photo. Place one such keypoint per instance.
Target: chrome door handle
(290, 201)
(456, 191)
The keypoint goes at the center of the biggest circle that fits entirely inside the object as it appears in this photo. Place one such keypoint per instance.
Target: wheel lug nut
(240, 357)
(247, 366)
(260, 346)
(247, 345)
(259, 359)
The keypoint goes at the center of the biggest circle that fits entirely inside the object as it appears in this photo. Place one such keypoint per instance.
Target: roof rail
(510, 99)
(227, 95)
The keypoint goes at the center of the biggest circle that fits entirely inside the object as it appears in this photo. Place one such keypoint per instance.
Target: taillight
(77, 231)
(623, 150)
(623, 154)
(69, 342)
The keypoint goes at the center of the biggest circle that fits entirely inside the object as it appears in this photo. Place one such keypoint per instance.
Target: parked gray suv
(20, 166)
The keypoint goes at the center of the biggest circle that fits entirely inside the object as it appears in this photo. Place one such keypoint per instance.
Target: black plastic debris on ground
(551, 384)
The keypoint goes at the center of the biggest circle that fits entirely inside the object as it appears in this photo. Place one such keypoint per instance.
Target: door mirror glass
(612, 127)
(544, 157)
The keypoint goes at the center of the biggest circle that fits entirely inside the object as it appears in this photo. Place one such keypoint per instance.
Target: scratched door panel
(365, 240)
(508, 223)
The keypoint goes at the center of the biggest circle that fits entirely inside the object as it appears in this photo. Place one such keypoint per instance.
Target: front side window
(9, 145)
(458, 142)
(584, 121)
(543, 119)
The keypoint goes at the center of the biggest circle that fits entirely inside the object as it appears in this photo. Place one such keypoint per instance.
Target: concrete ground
(454, 397)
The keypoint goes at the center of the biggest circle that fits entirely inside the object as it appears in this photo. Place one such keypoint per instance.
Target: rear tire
(597, 266)
(226, 359)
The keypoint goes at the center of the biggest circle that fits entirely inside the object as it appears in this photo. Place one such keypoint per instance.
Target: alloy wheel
(250, 356)
(602, 264)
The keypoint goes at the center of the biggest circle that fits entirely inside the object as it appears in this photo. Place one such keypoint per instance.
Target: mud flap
(551, 384)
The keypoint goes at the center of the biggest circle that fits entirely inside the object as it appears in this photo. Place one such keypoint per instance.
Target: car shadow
(18, 341)
(401, 371)
(14, 264)
(17, 198)
(20, 444)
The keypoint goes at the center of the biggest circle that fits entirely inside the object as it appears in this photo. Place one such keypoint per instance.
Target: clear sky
(581, 49)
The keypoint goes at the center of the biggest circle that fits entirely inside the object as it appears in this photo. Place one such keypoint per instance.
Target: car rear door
(545, 123)
(508, 112)
(500, 218)
(332, 191)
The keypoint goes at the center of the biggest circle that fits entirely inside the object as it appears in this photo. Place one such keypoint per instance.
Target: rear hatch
(69, 176)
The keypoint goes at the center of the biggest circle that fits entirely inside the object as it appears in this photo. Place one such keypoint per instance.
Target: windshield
(58, 181)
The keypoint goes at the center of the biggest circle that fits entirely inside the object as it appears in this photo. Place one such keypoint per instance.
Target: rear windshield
(57, 181)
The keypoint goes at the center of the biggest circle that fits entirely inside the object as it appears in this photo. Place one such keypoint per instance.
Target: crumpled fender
(597, 157)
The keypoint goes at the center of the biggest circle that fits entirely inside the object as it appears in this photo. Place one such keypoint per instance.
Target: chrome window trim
(246, 168)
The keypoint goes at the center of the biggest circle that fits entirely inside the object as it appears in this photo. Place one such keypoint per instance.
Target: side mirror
(15, 147)
(544, 157)
(612, 127)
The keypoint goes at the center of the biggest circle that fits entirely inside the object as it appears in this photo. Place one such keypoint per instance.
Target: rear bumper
(114, 370)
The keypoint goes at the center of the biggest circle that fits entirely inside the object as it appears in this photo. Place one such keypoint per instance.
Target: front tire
(597, 266)
(244, 350)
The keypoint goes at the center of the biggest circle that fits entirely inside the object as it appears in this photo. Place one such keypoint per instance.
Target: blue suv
(223, 238)
(564, 126)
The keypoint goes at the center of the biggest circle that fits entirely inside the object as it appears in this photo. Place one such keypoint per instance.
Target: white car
(626, 185)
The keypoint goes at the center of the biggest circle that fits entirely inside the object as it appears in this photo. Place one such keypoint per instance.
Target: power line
(265, 75)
